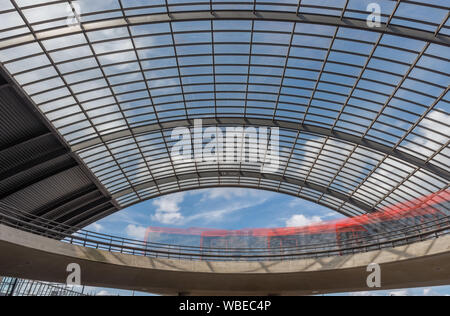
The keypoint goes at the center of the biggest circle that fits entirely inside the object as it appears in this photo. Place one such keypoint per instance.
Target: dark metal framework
(20, 287)
(38, 173)
(363, 111)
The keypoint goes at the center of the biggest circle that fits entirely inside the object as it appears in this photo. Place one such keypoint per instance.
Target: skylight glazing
(363, 112)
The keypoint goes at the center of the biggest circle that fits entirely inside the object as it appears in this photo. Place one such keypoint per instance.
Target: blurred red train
(434, 207)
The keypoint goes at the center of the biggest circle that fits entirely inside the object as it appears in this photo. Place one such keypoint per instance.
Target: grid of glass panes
(48, 14)
(327, 164)
(111, 77)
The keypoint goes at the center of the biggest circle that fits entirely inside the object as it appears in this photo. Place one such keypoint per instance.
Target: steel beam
(13, 287)
(30, 105)
(63, 201)
(44, 137)
(229, 15)
(76, 201)
(429, 37)
(79, 201)
(94, 218)
(86, 211)
(236, 121)
(255, 175)
(33, 163)
(48, 173)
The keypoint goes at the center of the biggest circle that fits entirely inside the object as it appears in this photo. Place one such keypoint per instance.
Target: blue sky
(226, 208)
(221, 208)
(96, 107)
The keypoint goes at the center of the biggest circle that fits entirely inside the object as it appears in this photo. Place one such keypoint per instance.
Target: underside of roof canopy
(38, 173)
(363, 112)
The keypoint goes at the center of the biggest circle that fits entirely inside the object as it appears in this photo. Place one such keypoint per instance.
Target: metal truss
(233, 15)
(363, 111)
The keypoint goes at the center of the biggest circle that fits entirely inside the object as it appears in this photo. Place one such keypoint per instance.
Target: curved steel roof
(363, 111)
(38, 173)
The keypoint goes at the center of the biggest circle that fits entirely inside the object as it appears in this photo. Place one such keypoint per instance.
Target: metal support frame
(92, 218)
(86, 211)
(255, 175)
(317, 130)
(78, 199)
(35, 138)
(340, 21)
(13, 287)
(55, 170)
(82, 204)
(337, 21)
(12, 84)
(33, 163)
(64, 201)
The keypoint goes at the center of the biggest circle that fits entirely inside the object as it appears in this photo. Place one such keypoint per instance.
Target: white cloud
(103, 293)
(95, 227)
(168, 209)
(431, 292)
(168, 218)
(125, 217)
(136, 232)
(298, 204)
(361, 294)
(223, 193)
(169, 203)
(301, 220)
(231, 193)
(399, 293)
(235, 200)
(427, 142)
(218, 215)
(415, 292)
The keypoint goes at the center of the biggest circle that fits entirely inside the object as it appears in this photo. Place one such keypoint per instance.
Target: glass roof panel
(363, 112)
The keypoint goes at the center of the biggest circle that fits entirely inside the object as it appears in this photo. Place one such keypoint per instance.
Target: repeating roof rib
(363, 111)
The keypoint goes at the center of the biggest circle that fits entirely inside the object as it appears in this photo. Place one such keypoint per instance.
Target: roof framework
(38, 173)
(363, 112)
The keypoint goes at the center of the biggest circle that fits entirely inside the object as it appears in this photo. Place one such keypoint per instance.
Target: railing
(19, 287)
(77, 236)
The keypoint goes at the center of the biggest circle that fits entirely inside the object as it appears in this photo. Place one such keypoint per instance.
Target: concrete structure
(30, 256)
(88, 103)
